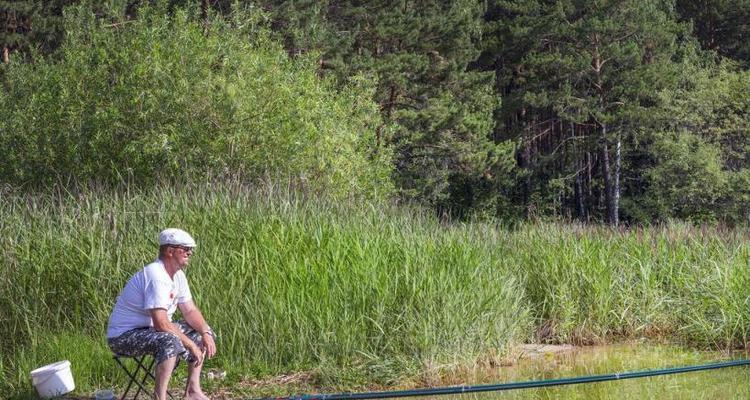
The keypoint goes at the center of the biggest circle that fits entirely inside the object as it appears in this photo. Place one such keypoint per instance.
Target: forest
(619, 112)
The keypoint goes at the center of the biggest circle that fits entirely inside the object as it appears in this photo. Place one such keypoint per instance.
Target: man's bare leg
(193, 390)
(163, 373)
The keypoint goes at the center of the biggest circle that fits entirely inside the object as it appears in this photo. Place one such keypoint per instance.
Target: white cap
(176, 237)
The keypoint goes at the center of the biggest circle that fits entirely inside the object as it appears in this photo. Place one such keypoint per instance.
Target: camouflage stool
(141, 374)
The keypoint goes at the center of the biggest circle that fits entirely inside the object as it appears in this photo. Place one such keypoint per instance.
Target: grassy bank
(351, 292)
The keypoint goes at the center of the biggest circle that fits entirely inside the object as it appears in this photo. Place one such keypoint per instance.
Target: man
(141, 321)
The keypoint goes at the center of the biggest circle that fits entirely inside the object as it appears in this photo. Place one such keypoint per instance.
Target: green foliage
(576, 80)
(353, 293)
(437, 111)
(356, 291)
(718, 26)
(591, 62)
(156, 97)
(31, 26)
(206, 93)
(699, 148)
(695, 195)
(674, 282)
(621, 79)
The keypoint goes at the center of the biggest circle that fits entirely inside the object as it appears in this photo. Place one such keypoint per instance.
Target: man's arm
(195, 319)
(162, 324)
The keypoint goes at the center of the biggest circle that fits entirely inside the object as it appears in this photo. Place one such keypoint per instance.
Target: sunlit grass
(352, 292)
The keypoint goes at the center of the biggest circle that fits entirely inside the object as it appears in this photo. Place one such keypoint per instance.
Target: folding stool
(141, 374)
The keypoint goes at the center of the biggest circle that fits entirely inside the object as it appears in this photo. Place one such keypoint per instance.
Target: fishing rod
(511, 386)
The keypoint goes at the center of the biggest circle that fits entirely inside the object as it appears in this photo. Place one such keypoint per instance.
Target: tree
(699, 148)
(437, 112)
(720, 25)
(31, 26)
(588, 70)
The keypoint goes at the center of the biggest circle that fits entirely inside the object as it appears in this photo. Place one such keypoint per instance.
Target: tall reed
(352, 291)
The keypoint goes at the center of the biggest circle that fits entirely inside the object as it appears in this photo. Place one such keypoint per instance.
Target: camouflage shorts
(162, 345)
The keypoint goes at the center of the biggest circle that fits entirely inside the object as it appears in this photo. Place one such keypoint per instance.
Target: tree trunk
(204, 15)
(607, 177)
(579, 165)
(609, 186)
(525, 160)
(589, 179)
(6, 55)
(529, 156)
(580, 209)
(387, 110)
(616, 188)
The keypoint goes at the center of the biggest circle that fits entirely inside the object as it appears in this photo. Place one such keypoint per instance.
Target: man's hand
(209, 345)
(197, 354)
(195, 319)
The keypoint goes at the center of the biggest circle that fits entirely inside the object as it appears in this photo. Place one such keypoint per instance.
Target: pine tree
(720, 25)
(587, 71)
(31, 26)
(437, 112)
(16, 16)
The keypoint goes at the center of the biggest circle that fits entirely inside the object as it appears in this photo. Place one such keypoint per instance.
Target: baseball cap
(177, 237)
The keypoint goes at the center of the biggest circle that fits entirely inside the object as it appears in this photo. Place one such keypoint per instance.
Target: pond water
(726, 383)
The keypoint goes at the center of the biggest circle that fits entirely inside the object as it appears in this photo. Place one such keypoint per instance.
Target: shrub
(159, 96)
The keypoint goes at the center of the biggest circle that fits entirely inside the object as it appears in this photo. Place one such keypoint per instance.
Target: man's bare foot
(196, 395)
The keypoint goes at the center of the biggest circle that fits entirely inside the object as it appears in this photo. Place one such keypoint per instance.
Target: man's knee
(167, 346)
(168, 362)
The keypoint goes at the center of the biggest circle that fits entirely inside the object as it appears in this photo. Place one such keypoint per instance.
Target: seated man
(141, 321)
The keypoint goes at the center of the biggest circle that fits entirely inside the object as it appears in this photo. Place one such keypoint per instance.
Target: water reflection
(727, 383)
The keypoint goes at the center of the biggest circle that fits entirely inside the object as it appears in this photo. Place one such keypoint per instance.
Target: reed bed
(352, 291)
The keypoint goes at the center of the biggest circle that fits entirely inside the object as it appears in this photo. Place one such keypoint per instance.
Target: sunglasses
(184, 248)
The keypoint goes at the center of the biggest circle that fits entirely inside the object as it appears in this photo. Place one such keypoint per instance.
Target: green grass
(351, 292)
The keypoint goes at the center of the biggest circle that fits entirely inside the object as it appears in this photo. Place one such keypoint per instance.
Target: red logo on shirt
(171, 295)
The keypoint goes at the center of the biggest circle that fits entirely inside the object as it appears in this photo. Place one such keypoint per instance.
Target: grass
(352, 292)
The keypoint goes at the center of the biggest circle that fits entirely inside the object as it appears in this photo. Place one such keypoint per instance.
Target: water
(727, 383)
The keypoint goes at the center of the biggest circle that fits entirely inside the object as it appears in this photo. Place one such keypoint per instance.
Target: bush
(158, 97)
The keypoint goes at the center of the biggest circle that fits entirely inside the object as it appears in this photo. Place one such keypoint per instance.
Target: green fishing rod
(512, 385)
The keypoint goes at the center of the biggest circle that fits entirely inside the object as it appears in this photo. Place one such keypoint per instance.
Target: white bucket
(53, 380)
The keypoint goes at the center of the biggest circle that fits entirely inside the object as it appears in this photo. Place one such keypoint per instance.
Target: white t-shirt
(151, 287)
